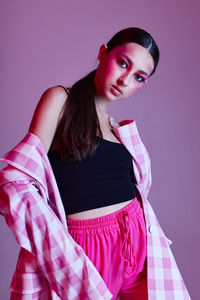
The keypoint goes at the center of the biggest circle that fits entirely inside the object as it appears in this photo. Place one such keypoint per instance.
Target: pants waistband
(133, 208)
(121, 221)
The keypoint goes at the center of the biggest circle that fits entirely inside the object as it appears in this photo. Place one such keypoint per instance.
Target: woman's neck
(101, 106)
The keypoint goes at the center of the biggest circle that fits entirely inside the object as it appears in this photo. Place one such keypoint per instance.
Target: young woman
(102, 170)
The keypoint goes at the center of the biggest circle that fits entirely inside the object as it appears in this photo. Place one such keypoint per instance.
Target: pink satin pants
(116, 245)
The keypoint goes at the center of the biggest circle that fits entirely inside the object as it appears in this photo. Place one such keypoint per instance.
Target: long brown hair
(77, 132)
(76, 136)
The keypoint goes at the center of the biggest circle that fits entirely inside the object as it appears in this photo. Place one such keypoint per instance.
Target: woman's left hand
(113, 123)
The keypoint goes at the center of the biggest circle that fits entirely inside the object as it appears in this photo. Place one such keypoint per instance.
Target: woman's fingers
(113, 123)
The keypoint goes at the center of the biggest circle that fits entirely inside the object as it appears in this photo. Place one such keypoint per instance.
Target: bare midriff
(98, 212)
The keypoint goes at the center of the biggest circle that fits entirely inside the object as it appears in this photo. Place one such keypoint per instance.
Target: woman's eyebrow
(127, 58)
(131, 63)
(143, 72)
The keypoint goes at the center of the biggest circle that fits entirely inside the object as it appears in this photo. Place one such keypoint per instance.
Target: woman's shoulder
(53, 97)
(55, 93)
(48, 113)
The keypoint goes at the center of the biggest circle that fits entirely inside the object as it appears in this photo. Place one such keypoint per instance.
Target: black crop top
(97, 181)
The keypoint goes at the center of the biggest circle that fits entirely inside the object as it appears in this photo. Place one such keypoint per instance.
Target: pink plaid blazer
(50, 264)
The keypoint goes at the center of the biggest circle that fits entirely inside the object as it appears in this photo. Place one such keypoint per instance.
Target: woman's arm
(48, 114)
(38, 230)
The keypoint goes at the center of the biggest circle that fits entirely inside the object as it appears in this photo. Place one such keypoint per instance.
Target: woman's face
(122, 71)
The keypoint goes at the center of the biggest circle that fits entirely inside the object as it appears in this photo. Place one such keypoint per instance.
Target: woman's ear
(102, 52)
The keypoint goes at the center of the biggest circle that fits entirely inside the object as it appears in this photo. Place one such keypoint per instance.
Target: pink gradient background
(45, 43)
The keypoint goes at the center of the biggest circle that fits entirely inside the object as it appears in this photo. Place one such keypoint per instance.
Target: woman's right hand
(47, 115)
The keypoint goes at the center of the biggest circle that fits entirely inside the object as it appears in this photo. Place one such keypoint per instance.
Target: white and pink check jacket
(50, 264)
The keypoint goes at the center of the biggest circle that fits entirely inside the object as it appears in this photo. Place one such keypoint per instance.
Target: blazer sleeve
(38, 230)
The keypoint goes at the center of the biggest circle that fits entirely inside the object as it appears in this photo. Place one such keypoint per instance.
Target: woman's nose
(123, 80)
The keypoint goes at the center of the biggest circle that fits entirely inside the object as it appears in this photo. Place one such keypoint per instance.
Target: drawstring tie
(127, 250)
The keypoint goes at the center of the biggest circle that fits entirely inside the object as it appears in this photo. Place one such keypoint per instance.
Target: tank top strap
(66, 90)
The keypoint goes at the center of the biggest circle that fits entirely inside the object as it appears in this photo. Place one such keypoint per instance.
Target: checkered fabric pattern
(164, 279)
(50, 264)
(31, 204)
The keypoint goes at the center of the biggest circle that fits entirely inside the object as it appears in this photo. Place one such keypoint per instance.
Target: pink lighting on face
(122, 71)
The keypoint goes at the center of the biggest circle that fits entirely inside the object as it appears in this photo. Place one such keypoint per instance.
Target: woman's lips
(117, 91)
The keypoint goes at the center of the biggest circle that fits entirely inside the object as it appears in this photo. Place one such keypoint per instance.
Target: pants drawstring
(127, 250)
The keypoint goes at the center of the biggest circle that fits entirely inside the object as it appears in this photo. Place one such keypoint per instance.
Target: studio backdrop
(46, 43)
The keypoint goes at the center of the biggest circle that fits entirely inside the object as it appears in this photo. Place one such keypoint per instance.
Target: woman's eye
(139, 78)
(122, 63)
